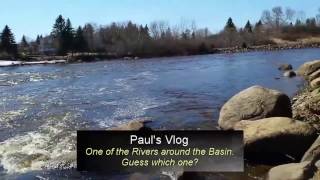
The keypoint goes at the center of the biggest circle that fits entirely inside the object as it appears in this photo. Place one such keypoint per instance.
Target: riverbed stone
(315, 83)
(289, 74)
(285, 67)
(316, 92)
(314, 75)
(276, 137)
(292, 171)
(309, 67)
(306, 107)
(254, 103)
(134, 125)
(313, 153)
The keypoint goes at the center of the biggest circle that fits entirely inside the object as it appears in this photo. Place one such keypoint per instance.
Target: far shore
(92, 57)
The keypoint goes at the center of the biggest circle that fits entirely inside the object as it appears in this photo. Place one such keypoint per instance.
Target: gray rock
(289, 74)
(277, 135)
(293, 171)
(285, 67)
(314, 84)
(314, 75)
(313, 153)
(254, 103)
(133, 125)
(309, 67)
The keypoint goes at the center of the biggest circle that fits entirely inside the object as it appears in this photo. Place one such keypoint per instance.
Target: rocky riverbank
(277, 132)
(89, 57)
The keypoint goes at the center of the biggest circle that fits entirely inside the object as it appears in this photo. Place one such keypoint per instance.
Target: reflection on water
(41, 106)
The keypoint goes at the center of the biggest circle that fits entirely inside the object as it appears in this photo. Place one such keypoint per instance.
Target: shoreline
(95, 57)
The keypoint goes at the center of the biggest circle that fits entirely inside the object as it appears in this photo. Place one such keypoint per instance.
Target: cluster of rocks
(287, 70)
(306, 105)
(268, 47)
(271, 135)
(275, 131)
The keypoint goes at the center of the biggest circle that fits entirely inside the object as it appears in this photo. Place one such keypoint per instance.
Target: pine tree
(8, 43)
(24, 45)
(258, 26)
(24, 41)
(63, 35)
(38, 40)
(80, 43)
(58, 27)
(68, 36)
(230, 25)
(58, 33)
(248, 27)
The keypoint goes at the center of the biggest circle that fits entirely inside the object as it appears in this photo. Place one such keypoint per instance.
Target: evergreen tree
(58, 27)
(80, 43)
(258, 26)
(58, 34)
(8, 43)
(68, 36)
(63, 35)
(24, 41)
(38, 40)
(24, 45)
(230, 25)
(248, 27)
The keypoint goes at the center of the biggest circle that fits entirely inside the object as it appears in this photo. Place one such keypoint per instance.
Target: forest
(159, 38)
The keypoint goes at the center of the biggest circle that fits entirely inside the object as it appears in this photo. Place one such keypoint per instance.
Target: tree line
(159, 38)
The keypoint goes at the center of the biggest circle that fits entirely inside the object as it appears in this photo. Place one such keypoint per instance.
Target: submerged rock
(134, 125)
(292, 171)
(276, 137)
(289, 74)
(285, 67)
(254, 103)
(309, 67)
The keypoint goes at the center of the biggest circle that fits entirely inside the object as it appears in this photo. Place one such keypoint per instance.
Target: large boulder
(285, 67)
(315, 83)
(314, 75)
(276, 138)
(308, 68)
(254, 103)
(307, 107)
(292, 171)
(313, 153)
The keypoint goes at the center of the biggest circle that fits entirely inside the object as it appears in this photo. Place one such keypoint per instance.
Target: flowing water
(42, 106)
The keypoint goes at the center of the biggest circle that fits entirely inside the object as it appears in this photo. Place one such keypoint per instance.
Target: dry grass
(307, 40)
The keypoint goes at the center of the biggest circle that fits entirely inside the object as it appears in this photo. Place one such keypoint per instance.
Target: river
(42, 106)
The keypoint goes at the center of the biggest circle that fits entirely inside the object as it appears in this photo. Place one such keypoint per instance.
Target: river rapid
(42, 106)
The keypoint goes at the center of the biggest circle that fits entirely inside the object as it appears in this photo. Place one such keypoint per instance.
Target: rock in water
(285, 67)
(276, 137)
(313, 153)
(254, 103)
(134, 125)
(308, 68)
(289, 74)
(293, 171)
